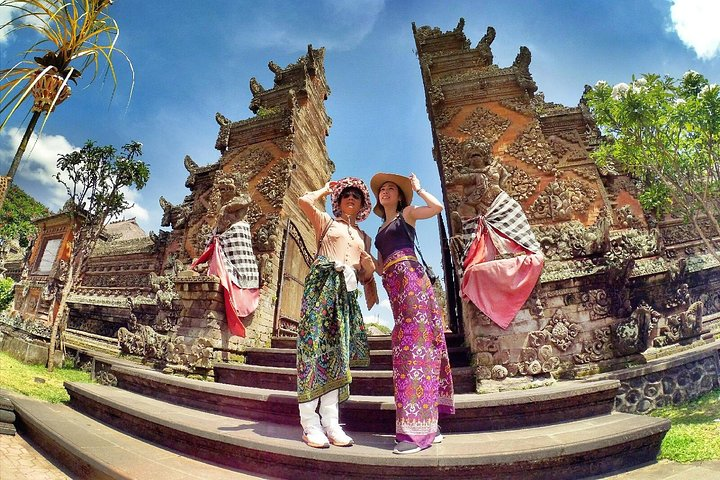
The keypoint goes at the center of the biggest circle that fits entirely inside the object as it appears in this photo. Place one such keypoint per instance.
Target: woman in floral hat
(331, 333)
(421, 366)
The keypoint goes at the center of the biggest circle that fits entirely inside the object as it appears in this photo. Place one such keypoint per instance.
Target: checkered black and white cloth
(506, 216)
(238, 255)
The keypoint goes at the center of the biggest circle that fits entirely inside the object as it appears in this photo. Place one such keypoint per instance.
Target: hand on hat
(329, 186)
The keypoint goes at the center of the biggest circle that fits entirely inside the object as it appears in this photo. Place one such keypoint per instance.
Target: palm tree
(80, 35)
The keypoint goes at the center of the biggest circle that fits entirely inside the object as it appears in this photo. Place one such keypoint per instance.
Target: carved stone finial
(255, 86)
(274, 67)
(190, 165)
(224, 135)
(523, 58)
(483, 46)
(167, 212)
(522, 67)
(164, 204)
(222, 120)
(488, 38)
(460, 25)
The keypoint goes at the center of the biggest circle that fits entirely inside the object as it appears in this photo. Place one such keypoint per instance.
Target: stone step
(474, 413)
(364, 382)
(568, 450)
(79, 340)
(377, 342)
(93, 450)
(379, 359)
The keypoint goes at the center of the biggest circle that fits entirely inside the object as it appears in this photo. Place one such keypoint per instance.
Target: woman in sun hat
(331, 333)
(421, 367)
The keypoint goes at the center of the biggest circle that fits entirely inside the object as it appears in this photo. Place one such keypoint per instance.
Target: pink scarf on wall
(239, 302)
(503, 263)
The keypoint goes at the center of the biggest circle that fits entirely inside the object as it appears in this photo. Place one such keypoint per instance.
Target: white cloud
(39, 167)
(336, 25)
(5, 17)
(39, 164)
(136, 210)
(695, 22)
(384, 320)
(381, 313)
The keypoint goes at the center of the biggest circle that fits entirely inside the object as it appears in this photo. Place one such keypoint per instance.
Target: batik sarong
(421, 367)
(503, 262)
(331, 334)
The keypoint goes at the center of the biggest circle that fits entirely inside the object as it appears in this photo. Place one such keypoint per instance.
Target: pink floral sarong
(421, 367)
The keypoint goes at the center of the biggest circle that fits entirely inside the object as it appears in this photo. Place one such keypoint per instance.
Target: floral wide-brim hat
(348, 182)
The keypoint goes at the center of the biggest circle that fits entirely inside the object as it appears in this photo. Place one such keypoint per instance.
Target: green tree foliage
(94, 178)
(17, 215)
(665, 132)
(6, 292)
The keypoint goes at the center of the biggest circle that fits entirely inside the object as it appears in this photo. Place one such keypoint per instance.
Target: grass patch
(695, 431)
(35, 381)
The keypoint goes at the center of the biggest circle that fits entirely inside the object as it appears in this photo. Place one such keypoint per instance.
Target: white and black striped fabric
(506, 216)
(239, 257)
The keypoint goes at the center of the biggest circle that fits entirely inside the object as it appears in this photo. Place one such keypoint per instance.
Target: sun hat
(350, 182)
(401, 181)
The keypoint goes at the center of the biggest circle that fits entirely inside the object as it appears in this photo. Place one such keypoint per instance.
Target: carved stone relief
(520, 185)
(597, 302)
(520, 105)
(682, 233)
(445, 116)
(627, 219)
(572, 239)
(450, 149)
(597, 349)
(562, 331)
(267, 235)
(202, 237)
(562, 200)
(680, 326)
(253, 161)
(484, 124)
(436, 94)
(274, 186)
(254, 214)
(531, 148)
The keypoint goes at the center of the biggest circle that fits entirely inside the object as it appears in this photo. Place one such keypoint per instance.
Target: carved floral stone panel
(485, 124)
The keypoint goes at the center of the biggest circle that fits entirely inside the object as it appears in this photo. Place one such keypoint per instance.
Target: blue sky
(195, 58)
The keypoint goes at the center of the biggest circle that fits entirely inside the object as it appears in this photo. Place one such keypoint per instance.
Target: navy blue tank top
(393, 237)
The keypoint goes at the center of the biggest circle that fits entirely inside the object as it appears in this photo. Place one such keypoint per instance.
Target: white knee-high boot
(308, 415)
(329, 414)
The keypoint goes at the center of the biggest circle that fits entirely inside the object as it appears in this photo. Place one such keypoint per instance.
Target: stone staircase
(249, 425)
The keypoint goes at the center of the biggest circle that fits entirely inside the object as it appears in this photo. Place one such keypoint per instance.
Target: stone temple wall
(616, 281)
(140, 289)
(266, 163)
(671, 380)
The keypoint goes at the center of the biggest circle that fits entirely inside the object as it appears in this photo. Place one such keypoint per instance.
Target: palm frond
(74, 35)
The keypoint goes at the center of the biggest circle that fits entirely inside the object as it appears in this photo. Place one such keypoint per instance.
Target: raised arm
(431, 208)
(307, 201)
(307, 204)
